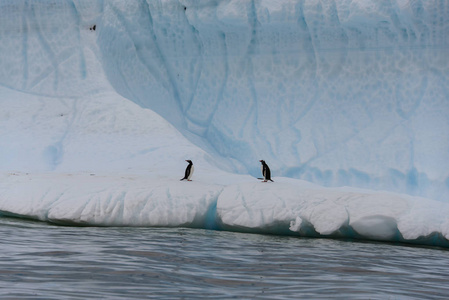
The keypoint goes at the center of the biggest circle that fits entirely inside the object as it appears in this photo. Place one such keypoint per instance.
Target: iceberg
(347, 101)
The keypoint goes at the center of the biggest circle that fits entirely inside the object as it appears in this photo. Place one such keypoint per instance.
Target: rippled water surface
(42, 261)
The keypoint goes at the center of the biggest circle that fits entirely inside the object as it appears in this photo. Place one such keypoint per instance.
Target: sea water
(43, 261)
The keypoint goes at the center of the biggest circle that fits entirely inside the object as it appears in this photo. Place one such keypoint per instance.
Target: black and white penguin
(189, 171)
(265, 172)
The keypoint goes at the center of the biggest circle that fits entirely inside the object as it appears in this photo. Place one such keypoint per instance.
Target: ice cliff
(335, 92)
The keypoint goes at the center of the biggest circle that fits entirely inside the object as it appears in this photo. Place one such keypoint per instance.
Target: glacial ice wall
(334, 92)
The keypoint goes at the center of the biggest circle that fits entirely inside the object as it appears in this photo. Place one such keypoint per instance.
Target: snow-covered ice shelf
(288, 206)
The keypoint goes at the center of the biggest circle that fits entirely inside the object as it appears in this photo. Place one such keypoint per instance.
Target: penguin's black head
(189, 161)
(262, 161)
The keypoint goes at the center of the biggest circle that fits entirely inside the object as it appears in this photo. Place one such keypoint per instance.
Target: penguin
(189, 171)
(265, 172)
